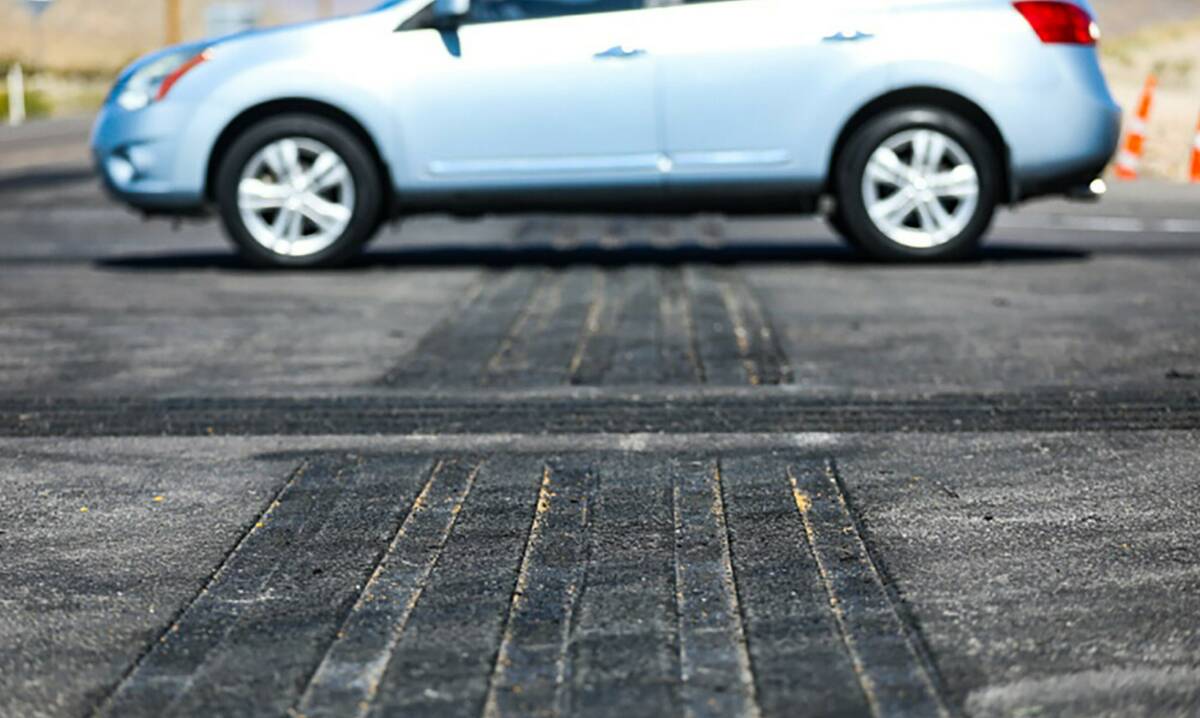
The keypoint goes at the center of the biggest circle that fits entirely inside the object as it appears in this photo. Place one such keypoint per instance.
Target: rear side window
(505, 10)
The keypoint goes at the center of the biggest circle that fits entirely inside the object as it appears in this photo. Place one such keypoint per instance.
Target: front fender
(266, 84)
(333, 63)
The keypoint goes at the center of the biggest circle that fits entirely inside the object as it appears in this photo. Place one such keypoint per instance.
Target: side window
(423, 20)
(506, 10)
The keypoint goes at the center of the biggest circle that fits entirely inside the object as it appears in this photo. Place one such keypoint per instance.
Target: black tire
(369, 190)
(837, 223)
(852, 217)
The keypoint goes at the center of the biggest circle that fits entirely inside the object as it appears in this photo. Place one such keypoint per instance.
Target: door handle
(619, 52)
(848, 36)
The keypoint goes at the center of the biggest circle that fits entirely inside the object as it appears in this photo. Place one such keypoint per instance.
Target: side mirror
(450, 12)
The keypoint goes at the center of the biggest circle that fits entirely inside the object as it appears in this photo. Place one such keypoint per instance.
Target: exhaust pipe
(1091, 192)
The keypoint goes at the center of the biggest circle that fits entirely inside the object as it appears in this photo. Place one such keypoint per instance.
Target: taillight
(1060, 23)
(170, 80)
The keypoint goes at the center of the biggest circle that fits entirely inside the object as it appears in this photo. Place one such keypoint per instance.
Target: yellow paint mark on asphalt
(804, 506)
(543, 504)
(491, 708)
(741, 333)
(159, 499)
(591, 325)
(83, 509)
(372, 670)
(803, 503)
(542, 295)
(535, 533)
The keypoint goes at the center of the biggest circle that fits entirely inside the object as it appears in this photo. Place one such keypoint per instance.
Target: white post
(16, 95)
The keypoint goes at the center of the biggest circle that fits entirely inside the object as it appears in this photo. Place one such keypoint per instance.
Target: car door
(756, 90)
(529, 93)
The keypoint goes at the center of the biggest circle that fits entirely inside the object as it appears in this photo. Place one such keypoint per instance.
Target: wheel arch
(929, 97)
(294, 105)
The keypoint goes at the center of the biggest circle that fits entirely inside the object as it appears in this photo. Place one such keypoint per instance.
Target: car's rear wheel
(917, 185)
(837, 223)
(299, 191)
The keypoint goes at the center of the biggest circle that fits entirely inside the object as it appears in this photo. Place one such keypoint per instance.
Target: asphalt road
(611, 466)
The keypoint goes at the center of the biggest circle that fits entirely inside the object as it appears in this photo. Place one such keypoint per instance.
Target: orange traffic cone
(1135, 137)
(1196, 156)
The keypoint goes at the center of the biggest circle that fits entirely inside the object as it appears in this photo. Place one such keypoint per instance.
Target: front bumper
(140, 159)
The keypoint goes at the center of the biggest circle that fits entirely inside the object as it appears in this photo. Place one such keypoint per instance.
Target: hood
(195, 47)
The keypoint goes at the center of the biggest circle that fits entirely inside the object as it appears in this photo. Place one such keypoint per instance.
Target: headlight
(152, 82)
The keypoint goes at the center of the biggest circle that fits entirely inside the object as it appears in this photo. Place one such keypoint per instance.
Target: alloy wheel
(296, 196)
(921, 188)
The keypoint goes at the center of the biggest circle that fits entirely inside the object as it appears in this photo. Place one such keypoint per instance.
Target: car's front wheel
(917, 184)
(299, 191)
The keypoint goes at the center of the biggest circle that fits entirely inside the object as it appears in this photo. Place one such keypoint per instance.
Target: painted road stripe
(1178, 226)
(1122, 225)
(348, 678)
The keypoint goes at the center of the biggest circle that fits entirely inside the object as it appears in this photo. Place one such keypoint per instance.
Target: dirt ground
(1172, 52)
